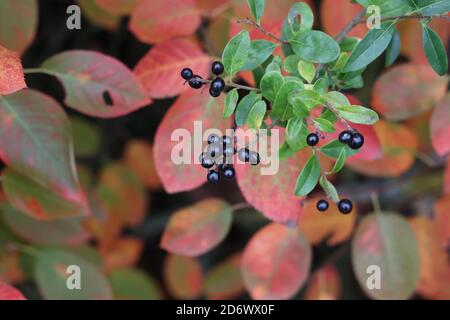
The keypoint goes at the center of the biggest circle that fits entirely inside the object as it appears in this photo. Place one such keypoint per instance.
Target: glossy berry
(213, 138)
(206, 161)
(345, 136)
(357, 141)
(345, 206)
(322, 205)
(214, 150)
(228, 151)
(312, 139)
(255, 159)
(187, 74)
(195, 82)
(218, 84)
(213, 177)
(244, 154)
(228, 172)
(227, 140)
(217, 68)
(214, 93)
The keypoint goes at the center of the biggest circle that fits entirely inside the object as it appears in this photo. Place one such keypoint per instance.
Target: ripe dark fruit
(227, 140)
(218, 84)
(244, 154)
(345, 206)
(312, 139)
(228, 172)
(214, 93)
(187, 74)
(213, 177)
(213, 138)
(255, 159)
(217, 68)
(195, 82)
(206, 161)
(345, 136)
(228, 151)
(214, 150)
(357, 141)
(322, 205)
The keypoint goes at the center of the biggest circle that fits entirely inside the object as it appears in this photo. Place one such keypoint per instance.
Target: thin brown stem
(233, 85)
(336, 113)
(252, 23)
(413, 16)
(356, 20)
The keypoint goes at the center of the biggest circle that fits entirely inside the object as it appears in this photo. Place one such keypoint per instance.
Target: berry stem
(336, 113)
(233, 85)
(260, 28)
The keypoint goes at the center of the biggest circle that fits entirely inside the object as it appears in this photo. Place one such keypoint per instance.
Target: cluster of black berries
(219, 153)
(195, 81)
(345, 206)
(352, 138)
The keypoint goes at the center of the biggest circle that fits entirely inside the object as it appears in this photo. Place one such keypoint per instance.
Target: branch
(413, 16)
(336, 113)
(356, 20)
(260, 28)
(232, 85)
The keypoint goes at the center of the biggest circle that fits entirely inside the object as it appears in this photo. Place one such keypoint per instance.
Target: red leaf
(279, 203)
(194, 230)
(96, 84)
(120, 7)
(324, 285)
(11, 72)
(154, 21)
(9, 293)
(159, 70)
(276, 262)
(36, 142)
(189, 107)
(442, 212)
(334, 19)
(18, 24)
(407, 90)
(440, 127)
(183, 277)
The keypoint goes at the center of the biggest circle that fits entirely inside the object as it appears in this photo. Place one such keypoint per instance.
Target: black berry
(187, 74)
(228, 151)
(214, 150)
(345, 206)
(213, 177)
(312, 139)
(228, 172)
(206, 161)
(254, 158)
(357, 141)
(217, 68)
(195, 82)
(218, 84)
(213, 138)
(214, 93)
(345, 136)
(244, 154)
(227, 140)
(322, 205)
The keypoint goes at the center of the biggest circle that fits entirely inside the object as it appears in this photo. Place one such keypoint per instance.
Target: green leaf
(305, 99)
(271, 84)
(244, 107)
(308, 178)
(274, 65)
(321, 86)
(315, 46)
(324, 125)
(337, 99)
(257, 7)
(296, 132)
(389, 8)
(434, 7)
(307, 70)
(371, 47)
(231, 100)
(87, 137)
(358, 114)
(290, 64)
(298, 12)
(50, 272)
(434, 50)
(334, 148)
(349, 44)
(329, 189)
(260, 51)
(236, 52)
(393, 50)
(256, 114)
(281, 107)
(340, 161)
(285, 151)
(133, 284)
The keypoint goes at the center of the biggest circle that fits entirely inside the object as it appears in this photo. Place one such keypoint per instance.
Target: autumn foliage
(87, 177)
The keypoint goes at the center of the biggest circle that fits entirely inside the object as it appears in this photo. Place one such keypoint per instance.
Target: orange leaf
(183, 277)
(440, 127)
(442, 212)
(11, 72)
(10, 268)
(123, 253)
(98, 16)
(120, 7)
(334, 20)
(276, 262)
(324, 285)
(434, 281)
(399, 145)
(154, 21)
(407, 90)
(194, 230)
(9, 293)
(139, 157)
(159, 70)
(331, 225)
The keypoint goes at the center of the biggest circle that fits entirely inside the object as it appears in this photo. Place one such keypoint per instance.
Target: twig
(336, 113)
(413, 16)
(356, 20)
(232, 85)
(260, 28)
